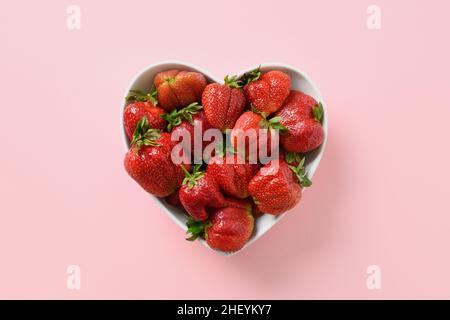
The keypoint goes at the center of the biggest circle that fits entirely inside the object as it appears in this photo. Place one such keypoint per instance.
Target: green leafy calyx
(301, 175)
(144, 135)
(137, 95)
(273, 123)
(250, 76)
(318, 112)
(191, 178)
(175, 117)
(292, 157)
(232, 82)
(197, 228)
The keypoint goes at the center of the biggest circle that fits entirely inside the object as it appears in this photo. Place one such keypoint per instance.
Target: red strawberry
(135, 111)
(223, 103)
(302, 116)
(227, 230)
(256, 212)
(177, 89)
(148, 161)
(188, 121)
(174, 199)
(266, 92)
(233, 174)
(200, 192)
(250, 122)
(276, 189)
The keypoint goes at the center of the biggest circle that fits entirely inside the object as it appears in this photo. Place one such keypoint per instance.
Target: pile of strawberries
(222, 195)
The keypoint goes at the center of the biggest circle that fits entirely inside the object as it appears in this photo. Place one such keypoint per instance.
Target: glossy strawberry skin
(232, 175)
(136, 110)
(230, 228)
(152, 168)
(203, 195)
(268, 93)
(177, 89)
(275, 190)
(223, 105)
(304, 133)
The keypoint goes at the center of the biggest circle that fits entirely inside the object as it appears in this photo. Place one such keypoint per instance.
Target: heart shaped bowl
(299, 81)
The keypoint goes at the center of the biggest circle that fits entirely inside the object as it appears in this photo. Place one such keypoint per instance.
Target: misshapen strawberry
(233, 174)
(135, 111)
(223, 103)
(276, 189)
(227, 230)
(148, 161)
(177, 89)
(301, 115)
(199, 192)
(266, 91)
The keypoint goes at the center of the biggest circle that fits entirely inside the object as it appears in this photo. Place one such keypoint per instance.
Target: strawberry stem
(175, 117)
(137, 95)
(301, 175)
(144, 135)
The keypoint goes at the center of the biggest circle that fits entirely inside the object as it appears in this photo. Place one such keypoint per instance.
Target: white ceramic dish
(300, 81)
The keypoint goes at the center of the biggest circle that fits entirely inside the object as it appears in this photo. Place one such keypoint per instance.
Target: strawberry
(188, 120)
(227, 230)
(223, 103)
(302, 117)
(135, 111)
(256, 212)
(200, 191)
(266, 91)
(148, 161)
(276, 189)
(233, 174)
(177, 89)
(250, 122)
(174, 199)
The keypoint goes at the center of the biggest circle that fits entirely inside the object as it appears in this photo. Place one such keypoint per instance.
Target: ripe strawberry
(148, 161)
(233, 174)
(135, 111)
(177, 89)
(188, 121)
(223, 103)
(174, 200)
(302, 117)
(200, 191)
(278, 189)
(227, 230)
(266, 92)
(250, 122)
(256, 212)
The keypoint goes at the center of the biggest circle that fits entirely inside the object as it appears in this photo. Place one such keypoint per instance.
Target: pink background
(379, 197)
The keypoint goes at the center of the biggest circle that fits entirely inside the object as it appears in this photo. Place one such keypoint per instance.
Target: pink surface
(379, 197)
